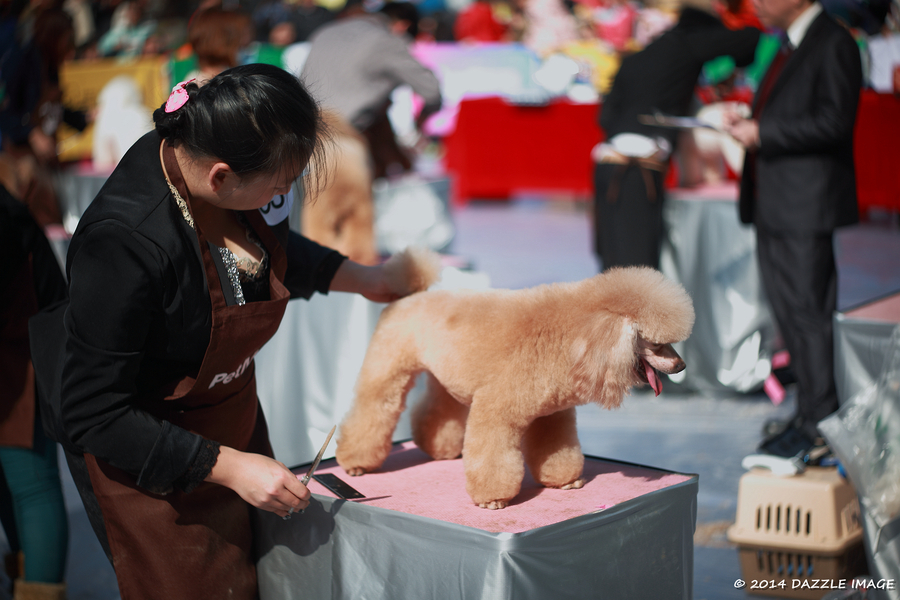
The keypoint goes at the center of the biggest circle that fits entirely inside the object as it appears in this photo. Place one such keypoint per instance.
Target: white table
(417, 536)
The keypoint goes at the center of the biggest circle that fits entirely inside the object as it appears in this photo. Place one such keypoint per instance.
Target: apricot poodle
(505, 371)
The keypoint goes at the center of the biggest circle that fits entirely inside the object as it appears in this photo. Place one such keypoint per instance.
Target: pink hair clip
(178, 97)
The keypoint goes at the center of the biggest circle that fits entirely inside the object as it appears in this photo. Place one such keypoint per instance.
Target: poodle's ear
(603, 359)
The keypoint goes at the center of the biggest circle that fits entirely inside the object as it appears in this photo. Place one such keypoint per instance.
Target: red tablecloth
(498, 149)
(877, 149)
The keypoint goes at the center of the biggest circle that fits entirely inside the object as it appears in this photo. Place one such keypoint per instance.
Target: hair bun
(168, 125)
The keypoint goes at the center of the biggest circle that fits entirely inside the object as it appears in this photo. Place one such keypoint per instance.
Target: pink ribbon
(178, 97)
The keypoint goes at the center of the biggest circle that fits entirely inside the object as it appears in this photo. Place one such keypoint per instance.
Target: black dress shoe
(790, 442)
(775, 426)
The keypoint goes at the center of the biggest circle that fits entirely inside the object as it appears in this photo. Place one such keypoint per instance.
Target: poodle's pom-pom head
(661, 308)
(412, 270)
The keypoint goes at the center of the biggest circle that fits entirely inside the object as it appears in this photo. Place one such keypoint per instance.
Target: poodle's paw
(575, 485)
(494, 504)
(441, 454)
(359, 459)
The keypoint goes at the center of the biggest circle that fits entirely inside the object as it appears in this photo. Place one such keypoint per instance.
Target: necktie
(771, 76)
(762, 95)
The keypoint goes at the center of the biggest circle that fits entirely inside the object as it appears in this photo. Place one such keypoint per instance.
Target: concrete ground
(529, 241)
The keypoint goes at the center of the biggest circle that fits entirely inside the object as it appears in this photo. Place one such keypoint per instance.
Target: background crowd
(132, 27)
(581, 44)
(584, 40)
(259, 30)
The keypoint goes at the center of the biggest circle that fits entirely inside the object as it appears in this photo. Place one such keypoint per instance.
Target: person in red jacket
(477, 23)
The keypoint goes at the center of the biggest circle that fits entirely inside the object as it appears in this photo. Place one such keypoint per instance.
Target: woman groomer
(176, 280)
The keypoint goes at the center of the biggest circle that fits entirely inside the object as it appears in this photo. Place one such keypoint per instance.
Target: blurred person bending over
(354, 65)
(799, 184)
(32, 509)
(631, 163)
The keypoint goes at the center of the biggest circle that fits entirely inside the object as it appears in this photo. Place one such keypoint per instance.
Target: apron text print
(227, 378)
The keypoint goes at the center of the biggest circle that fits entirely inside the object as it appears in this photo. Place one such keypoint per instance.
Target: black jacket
(805, 178)
(662, 76)
(139, 317)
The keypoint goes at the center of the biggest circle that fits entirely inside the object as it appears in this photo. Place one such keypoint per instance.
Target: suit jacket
(662, 77)
(802, 178)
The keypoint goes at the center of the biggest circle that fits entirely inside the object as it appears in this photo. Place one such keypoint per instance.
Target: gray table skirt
(641, 548)
(861, 347)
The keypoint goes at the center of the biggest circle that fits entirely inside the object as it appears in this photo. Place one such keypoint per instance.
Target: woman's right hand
(367, 281)
(261, 481)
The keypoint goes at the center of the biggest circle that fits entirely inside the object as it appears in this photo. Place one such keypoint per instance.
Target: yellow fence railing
(81, 82)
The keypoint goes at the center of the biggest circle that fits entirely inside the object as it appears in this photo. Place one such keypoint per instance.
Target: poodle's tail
(412, 270)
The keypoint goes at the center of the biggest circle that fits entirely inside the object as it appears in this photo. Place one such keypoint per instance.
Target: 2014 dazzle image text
(859, 583)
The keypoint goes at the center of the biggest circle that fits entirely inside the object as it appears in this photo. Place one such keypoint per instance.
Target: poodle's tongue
(652, 379)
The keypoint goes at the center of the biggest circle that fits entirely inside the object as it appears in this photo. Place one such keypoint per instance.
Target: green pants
(32, 509)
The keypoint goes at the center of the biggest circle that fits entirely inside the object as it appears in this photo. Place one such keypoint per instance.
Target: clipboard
(661, 120)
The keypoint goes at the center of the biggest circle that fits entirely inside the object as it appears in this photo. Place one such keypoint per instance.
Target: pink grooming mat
(412, 483)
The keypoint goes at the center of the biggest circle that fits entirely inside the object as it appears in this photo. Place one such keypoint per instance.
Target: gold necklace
(185, 212)
(181, 204)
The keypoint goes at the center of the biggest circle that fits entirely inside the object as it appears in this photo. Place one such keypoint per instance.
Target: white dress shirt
(797, 30)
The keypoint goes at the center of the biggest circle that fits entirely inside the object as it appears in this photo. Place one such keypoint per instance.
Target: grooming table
(628, 533)
(862, 336)
(862, 343)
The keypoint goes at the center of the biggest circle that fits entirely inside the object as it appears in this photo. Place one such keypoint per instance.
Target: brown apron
(198, 545)
(16, 371)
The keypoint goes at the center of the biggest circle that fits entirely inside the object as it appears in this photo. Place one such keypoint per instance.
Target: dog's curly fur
(505, 371)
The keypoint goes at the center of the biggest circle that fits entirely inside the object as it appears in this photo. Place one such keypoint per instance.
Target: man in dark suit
(631, 164)
(797, 186)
